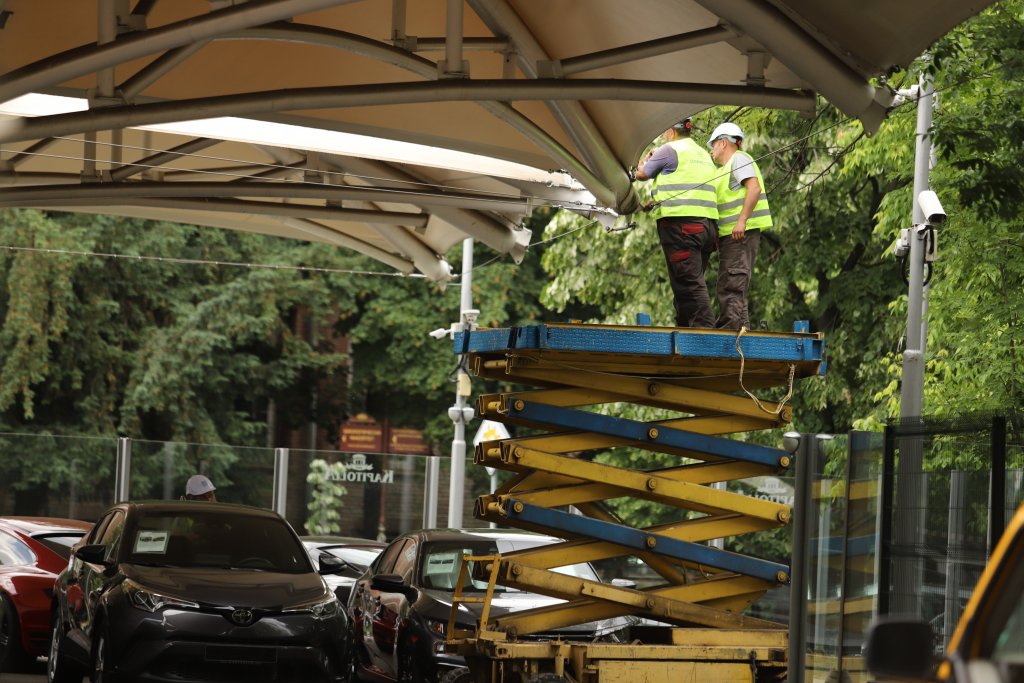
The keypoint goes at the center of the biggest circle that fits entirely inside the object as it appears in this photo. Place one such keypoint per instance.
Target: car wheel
(458, 675)
(13, 658)
(60, 669)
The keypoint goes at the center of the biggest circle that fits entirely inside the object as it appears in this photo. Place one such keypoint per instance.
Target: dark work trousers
(735, 265)
(687, 243)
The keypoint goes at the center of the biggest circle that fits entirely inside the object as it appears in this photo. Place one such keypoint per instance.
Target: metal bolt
(519, 405)
(782, 577)
(651, 541)
(650, 603)
(518, 507)
(518, 569)
(517, 453)
(784, 516)
(652, 433)
(652, 484)
(653, 388)
(784, 461)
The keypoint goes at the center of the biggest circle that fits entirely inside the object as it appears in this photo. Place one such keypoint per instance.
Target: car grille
(235, 654)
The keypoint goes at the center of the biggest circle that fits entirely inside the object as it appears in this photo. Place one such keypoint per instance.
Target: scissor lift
(700, 383)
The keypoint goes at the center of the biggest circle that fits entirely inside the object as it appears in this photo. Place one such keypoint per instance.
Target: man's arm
(753, 188)
(640, 175)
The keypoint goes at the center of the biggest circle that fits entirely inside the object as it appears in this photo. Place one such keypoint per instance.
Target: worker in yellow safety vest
(686, 209)
(742, 214)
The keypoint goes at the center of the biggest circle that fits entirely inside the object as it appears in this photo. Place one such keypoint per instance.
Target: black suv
(400, 635)
(193, 591)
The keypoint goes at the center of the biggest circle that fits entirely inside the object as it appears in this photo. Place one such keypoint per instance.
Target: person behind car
(199, 487)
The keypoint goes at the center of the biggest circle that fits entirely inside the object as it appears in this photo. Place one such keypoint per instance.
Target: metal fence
(951, 484)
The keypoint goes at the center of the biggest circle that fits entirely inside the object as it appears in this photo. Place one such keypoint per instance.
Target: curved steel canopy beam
(257, 189)
(91, 58)
(468, 221)
(805, 56)
(499, 16)
(388, 54)
(126, 116)
(311, 228)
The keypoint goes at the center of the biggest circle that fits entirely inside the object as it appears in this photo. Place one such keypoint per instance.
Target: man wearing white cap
(199, 487)
(742, 214)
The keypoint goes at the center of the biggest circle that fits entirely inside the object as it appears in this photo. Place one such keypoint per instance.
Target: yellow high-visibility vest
(689, 190)
(730, 201)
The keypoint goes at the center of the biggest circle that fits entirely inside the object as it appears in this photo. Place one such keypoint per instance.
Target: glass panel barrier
(242, 475)
(49, 475)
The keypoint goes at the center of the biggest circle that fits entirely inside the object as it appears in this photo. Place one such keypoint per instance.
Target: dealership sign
(357, 470)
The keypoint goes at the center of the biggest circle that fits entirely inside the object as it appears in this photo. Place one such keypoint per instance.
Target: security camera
(439, 333)
(931, 207)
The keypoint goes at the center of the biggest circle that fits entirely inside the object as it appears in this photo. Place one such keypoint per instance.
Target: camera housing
(931, 207)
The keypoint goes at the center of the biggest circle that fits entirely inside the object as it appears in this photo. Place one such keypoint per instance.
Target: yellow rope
(789, 394)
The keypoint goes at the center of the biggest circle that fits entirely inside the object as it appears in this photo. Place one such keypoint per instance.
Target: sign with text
(407, 441)
(361, 436)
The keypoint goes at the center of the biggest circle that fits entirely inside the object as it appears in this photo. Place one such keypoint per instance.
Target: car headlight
(324, 608)
(151, 601)
(438, 628)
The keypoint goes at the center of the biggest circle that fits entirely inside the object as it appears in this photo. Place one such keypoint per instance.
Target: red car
(33, 550)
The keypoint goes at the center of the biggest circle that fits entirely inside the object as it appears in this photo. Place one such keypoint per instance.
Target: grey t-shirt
(742, 168)
(664, 160)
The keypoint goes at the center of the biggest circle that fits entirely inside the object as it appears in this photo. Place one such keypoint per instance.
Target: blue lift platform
(691, 387)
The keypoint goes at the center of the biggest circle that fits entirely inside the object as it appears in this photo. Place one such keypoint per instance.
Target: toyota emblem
(242, 617)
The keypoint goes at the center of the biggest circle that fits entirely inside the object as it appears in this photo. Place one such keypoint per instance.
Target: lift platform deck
(667, 390)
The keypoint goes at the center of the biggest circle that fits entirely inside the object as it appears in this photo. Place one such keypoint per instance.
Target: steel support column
(280, 490)
(123, 470)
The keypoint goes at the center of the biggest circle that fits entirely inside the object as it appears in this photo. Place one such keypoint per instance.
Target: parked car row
(179, 590)
(33, 551)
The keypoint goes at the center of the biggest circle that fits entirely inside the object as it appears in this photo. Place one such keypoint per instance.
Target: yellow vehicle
(988, 644)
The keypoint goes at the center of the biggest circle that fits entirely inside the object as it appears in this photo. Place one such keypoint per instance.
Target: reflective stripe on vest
(730, 202)
(689, 190)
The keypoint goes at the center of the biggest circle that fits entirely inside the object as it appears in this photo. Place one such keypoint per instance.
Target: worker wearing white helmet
(685, 208)
(742, 214)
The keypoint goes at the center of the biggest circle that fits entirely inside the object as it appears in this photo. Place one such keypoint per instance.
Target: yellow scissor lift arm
(703, 379)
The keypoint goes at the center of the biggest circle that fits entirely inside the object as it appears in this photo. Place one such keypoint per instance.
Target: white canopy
(398, 128)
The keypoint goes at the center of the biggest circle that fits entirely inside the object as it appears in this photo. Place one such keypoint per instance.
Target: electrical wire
(206, 262)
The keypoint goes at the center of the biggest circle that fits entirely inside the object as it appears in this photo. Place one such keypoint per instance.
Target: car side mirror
(624, 583)
(93, 554)
(329, 564)
(393, 583)
(901, 648)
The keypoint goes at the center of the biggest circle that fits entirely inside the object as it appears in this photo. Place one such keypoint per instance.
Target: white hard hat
(727, 129)
(198, 484)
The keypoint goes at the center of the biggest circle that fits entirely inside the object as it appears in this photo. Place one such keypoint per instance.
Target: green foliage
(324, 508)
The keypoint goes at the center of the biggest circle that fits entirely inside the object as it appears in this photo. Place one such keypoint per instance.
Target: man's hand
(738, 232)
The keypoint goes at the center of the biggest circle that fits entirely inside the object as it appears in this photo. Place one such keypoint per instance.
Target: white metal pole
(463, 390)
(910, 502)
(912, 389)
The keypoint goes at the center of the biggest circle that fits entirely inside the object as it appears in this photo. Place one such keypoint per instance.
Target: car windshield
(357, 556)
(442, 559)
(60, 543)
(217, 539)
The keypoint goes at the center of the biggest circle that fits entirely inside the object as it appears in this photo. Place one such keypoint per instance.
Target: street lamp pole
(460, 413)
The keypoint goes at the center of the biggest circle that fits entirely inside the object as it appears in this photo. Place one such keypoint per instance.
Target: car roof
(509, 535)
(31, 526)
(158, 506)
(341, 540)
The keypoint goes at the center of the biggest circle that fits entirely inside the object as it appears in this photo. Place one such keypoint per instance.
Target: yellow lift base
(697, 385)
